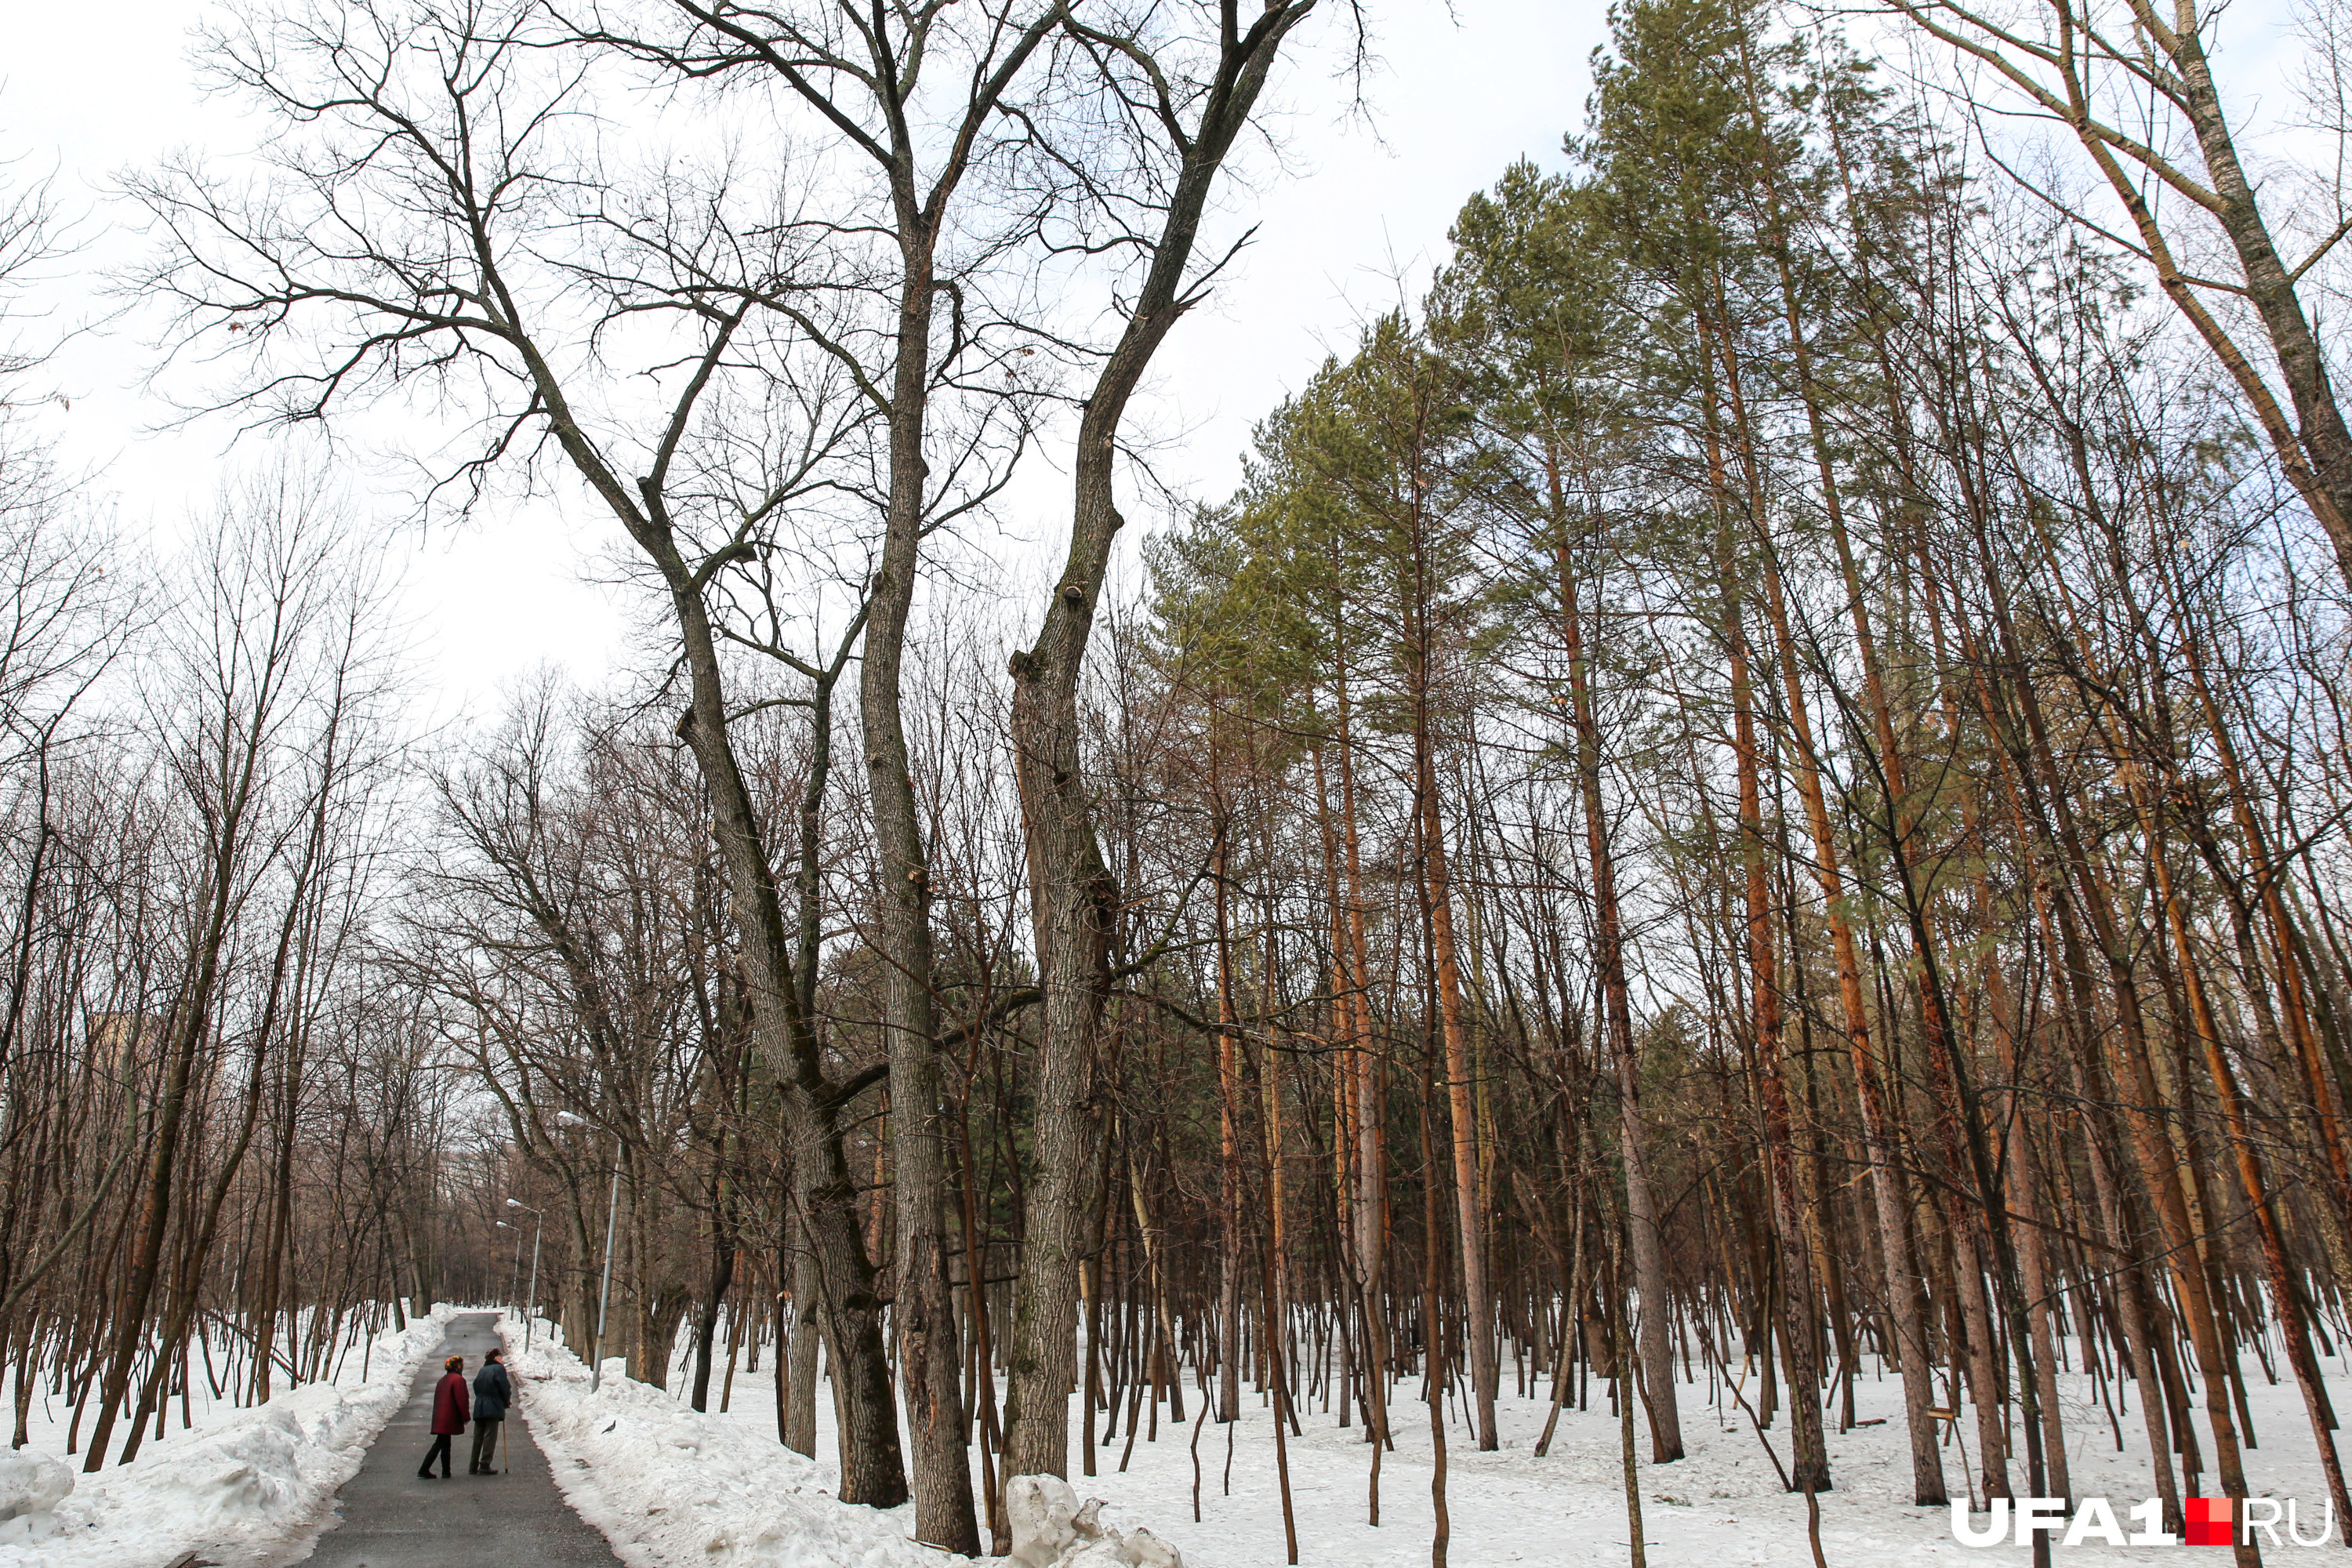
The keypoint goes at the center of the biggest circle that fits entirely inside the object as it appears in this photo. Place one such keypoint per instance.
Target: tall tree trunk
(924, 1316)
(1371, 1120)
(1437, 883)
(1229, 1133)
(1889, 1190)
(1073, 898)
(1647, 1237)
(824, 1193)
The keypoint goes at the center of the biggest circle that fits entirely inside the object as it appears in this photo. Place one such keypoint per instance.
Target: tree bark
(1640, 1201)
(1073, 898)
(927, 1340)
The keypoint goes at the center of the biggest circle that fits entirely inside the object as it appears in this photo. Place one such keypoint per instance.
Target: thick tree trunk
(1073, 898)
(927, 1340)
(1076, 907)
(2325, 443)
(824, 1193)
(796, 1358)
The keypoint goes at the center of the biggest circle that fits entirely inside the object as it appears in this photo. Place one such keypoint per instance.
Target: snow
(1721, 1506)
(31, 1487)
(1051, 1529)
(670, 1486)
(224, 1487)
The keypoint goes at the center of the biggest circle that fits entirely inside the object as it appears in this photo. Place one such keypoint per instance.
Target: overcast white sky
(1458, 97)
(1461, 91)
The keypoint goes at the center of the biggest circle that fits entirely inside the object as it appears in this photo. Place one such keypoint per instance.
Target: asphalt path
(387, 1517)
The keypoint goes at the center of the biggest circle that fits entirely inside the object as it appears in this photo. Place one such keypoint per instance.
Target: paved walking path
(387, 1517)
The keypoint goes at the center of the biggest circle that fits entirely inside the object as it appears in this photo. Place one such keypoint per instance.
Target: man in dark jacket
(448, 1416)
(493, 1393)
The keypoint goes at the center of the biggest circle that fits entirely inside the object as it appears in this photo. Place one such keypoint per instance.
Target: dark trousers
(486, 1445)
(440, 1450)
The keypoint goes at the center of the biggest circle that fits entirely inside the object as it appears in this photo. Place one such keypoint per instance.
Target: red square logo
(2209, 1521)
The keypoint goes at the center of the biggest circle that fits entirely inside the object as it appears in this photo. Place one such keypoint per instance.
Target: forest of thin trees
(1749, 796)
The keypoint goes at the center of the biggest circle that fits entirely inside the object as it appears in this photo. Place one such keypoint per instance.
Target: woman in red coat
(449, 1415)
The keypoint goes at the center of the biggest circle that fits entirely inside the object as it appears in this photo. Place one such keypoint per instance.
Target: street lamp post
(605, 1296)
(514, 1270)
(530, 1313)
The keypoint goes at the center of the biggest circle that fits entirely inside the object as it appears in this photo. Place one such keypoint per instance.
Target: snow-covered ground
(1719, 1507)
(229, 1485)
(670, 1487)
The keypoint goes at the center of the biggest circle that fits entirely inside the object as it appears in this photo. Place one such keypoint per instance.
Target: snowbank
(670, 1486)
(1052, 1530)
(31, 1487)
(221, 1490)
